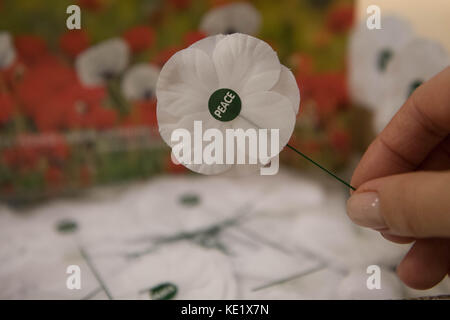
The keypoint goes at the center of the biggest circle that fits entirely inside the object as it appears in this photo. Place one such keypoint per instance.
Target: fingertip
(425, 265)
(418, 127)
(397, 239)
(411, 205)
(411, 275)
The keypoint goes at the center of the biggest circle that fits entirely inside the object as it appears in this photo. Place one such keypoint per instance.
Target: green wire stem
(95, 272)
(326, 170)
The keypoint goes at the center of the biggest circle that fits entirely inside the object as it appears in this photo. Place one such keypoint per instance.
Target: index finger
(417, 128)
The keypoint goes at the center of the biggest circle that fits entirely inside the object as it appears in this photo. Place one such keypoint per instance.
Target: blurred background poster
(418, 13)
(86, 180)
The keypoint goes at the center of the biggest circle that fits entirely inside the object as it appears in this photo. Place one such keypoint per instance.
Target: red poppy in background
(192, 37)
(301, 63)
(180, 4)
(56, 148)
(30, 48)
(41, 82)
(52, 146)
(163, 56)
(139, 38)
(6, 107)
(174, 168)
(147, 113)
(49, 118)
(54, 177)
(340, 140)
(73, 107)
(91, 5)
(73, 42)
(143, 113)
(10, 76)
(81, 108)
(328, 90)
(21, 157)
(102, 118)
(340, 18)
(28, 151)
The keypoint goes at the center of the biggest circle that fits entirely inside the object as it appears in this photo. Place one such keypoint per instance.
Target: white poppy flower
(179, 271)
(370, 53)
(266, 91)
(331, 247)
(139, 82)
(232, 18)
(37, 241)
(7, 52)
(415, 63)
(264, 265)
(102, 62)
(189, 205)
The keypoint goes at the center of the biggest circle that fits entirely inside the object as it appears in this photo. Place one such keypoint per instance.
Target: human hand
(403, 183)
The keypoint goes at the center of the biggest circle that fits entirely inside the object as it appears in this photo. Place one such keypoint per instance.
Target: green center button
(224, 104)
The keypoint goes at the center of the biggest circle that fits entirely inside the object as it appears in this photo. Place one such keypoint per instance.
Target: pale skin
(408, 167)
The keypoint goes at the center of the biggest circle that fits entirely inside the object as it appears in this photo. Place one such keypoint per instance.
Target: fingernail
(364, 210)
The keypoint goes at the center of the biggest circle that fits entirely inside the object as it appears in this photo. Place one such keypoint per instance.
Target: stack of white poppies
(386, 65)
(277, 237)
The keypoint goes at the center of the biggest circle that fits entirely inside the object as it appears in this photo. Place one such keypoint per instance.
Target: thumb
(414, 205)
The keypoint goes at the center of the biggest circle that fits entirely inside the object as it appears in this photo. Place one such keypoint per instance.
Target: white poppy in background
(98, 64)
(179, 271)
(415, 63)
(232, 18)
(268, 94)
(190, 204)
(139, 82)
(370, 53)
(7, 51)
